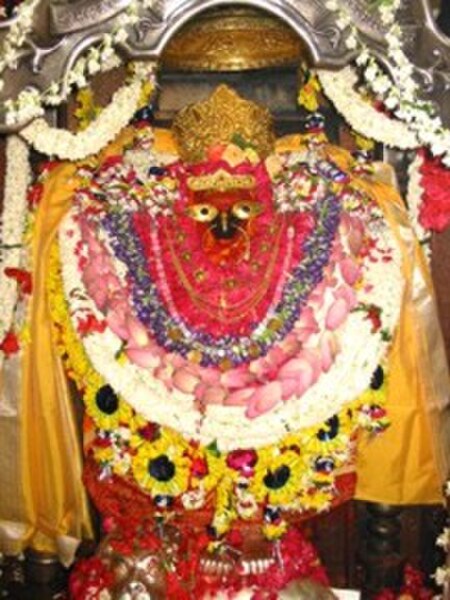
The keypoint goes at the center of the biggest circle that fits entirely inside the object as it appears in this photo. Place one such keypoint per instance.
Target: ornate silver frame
(63, 30)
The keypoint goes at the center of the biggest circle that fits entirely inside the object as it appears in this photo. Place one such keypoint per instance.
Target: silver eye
(203, 213)
(245, 210)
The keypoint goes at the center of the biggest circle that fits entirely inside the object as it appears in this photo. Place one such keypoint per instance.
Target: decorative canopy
(63, 31)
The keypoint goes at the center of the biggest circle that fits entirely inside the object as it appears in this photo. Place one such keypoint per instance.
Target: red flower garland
(10, 344)
(435, 209)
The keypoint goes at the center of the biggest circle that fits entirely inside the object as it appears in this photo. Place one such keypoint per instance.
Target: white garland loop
(14, 40)
(401, 94)
(362, 117)
(65, 145)
(30, 102)
(17, 179)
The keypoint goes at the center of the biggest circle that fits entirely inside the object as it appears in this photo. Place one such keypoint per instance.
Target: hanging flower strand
(30, 102)
(402, 94)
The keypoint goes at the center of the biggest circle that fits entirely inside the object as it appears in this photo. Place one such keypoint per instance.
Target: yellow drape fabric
(42, 499)
(43, 504)
(408, 463)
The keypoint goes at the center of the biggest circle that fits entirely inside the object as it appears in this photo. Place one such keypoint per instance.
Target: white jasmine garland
(30, 102)
(13, 219)
(17, 34)
(350, 375)
(75, 146)
(402, 95)
(361, 116)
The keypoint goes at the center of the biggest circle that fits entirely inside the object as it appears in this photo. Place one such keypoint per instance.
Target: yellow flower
(207, 468)
(87, 110)
(316, 500)
(121, 465)
(225, 512)
(308, 96)
(147, 90)
(273, 531)
(104, 406)
(25, 334)
(362, 142)
(103, 455)
(277, 476)
(331, 436)
(161, 467)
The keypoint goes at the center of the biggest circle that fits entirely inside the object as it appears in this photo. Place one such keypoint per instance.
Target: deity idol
(240, 315)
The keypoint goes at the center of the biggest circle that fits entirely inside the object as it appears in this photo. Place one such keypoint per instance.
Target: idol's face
(225, 214)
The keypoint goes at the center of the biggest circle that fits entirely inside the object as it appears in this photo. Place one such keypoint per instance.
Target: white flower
(441, 576)
(371, 72)
(381, 84)
(391, 102)
(343, 21)
(363, 57)
(332, 5)
(444, 539)
(351, 42)
(447, 488)
(120, 35)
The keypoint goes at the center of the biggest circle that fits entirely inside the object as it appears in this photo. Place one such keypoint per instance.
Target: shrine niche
(240, 300)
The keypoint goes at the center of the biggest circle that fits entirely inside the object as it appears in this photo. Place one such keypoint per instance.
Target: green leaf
(213, 449)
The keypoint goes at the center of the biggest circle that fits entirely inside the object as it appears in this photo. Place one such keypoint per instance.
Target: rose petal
(288, 388)
(185, 381)
(336, 315)
(239, 397)
(215, 395)
(236, 378)
(143, 357)
(138, 335)
(350, 271)
(264, 398)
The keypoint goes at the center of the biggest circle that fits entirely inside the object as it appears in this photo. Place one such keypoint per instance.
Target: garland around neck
(361, 351)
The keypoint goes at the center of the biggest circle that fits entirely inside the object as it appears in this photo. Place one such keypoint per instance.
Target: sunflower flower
(277, 477)
(104, 406)
(161, 467)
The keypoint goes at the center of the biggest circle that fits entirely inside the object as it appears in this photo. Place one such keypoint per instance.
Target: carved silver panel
(64, 29)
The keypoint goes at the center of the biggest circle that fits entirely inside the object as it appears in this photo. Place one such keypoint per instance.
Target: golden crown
(222, 118)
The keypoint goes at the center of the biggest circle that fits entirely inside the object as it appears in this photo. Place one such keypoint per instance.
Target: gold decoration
(221, 181)
(221, 118)
(233, 39)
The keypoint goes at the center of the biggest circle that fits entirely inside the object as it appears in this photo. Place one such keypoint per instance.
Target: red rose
(10, 344)
(34, 195)
(199, 467)
(149, 432)
(243, 461)
(90, 324)
(22, 277)
(435, 209)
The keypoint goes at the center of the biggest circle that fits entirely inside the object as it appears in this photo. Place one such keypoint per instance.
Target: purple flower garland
(151, 311)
